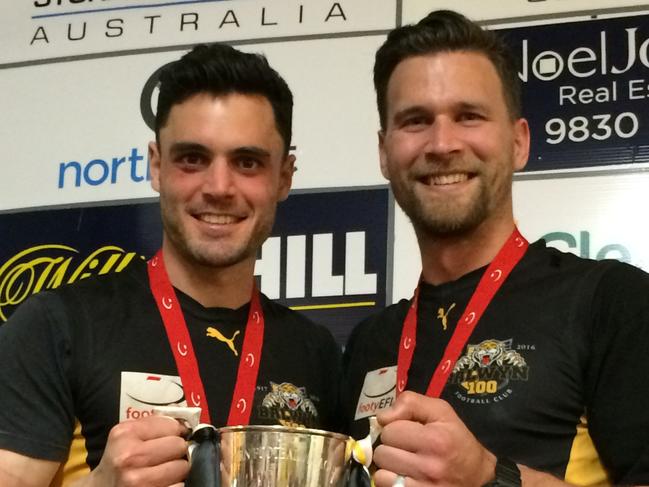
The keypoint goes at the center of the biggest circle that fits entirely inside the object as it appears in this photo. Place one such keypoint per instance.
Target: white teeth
(449, 179)
(217, 219)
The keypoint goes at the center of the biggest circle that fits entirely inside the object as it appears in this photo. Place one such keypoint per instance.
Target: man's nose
(443, 137)
(219, 179)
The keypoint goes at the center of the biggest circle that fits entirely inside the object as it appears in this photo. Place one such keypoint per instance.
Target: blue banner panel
(49, 248)
(344, 236)
(326, 256)
(585, 91)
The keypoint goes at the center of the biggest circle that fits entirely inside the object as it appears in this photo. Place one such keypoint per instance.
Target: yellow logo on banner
(38, 268)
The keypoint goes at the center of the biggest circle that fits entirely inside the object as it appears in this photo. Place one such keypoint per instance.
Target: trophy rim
(277, 428)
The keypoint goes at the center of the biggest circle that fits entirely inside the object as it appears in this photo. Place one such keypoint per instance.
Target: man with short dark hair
(512, 362)
(188, 327)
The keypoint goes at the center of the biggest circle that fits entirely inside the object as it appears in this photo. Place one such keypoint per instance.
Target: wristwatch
(507, 474)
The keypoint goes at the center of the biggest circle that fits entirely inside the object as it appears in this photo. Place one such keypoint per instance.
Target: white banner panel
(407, 259)
(593, 216)
(336, 121)
(68, 136)
(83, 138)
(45, 29)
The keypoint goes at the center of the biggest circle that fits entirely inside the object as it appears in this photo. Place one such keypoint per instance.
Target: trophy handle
(205, 458)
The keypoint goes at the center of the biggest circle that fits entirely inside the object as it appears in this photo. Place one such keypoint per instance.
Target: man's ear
(286, 177)
(382, 155)
(521, 143)
(154, 165)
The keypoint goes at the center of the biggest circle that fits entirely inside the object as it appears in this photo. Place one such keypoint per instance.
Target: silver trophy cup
(263, 456)
(277, 456)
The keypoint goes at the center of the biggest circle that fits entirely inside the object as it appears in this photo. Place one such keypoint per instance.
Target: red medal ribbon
(495, 275)
(185, 357)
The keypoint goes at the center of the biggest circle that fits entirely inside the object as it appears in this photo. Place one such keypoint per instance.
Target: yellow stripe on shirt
(584, 467)
(75, 466)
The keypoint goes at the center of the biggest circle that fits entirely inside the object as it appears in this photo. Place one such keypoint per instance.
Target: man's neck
(447, 258)
(222, 287)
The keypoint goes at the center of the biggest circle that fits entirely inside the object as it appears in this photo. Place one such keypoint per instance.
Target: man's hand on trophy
(145, 452)
(423, 442)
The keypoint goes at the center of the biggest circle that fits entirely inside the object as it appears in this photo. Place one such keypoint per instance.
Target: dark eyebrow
(184, 147)
(421, 110)
(180, 147)
(251, 150)
(469, 106)
(412, 110)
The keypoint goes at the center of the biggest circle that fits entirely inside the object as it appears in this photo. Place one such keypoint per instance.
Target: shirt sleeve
(36, 404)
(617, 397)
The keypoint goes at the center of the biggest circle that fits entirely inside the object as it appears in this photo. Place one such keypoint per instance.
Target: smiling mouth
(445, 179)
(217, 219)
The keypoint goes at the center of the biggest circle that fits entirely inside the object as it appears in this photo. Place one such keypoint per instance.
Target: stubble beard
(438, 216)
(212, 253)
(445, 218)
(449, 217)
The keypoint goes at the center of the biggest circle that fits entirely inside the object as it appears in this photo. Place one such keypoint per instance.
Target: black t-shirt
(97, 352)
(555, 366)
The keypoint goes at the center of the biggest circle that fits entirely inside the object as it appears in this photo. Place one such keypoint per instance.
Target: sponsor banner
(413, 10)
(597, 216)
(81, 122)
(327, 255)
(46, 249)
(42, 30)
(585, 84)
(585, 92)
(88, 138)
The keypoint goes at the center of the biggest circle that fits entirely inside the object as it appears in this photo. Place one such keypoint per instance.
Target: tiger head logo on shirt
(291, 404)
(488, 353)
(287, 394)
(487, 371)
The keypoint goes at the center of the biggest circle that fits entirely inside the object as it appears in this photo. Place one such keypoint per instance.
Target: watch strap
(507, 474)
